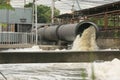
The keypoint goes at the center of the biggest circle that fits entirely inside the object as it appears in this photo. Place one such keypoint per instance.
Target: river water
(62, 71)
(48, 71)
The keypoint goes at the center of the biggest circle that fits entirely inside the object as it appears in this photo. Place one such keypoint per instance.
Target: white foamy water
(87, 41)
(34, 48)
(108, 70)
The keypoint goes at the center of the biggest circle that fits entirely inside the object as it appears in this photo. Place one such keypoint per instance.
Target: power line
(65, 4)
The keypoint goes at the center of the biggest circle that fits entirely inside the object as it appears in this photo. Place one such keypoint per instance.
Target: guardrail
(16, 38)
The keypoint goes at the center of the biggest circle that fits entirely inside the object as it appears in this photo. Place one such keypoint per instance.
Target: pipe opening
(84, 25)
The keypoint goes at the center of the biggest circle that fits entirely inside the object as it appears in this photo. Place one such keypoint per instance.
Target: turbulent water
(61, 71)
(86, 42)
(48, 71)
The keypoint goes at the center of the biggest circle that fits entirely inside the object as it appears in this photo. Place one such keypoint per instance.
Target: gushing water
(87, 42)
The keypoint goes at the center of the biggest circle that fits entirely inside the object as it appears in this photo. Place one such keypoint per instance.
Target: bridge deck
(53, 57)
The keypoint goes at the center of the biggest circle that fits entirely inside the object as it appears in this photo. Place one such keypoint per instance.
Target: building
(17, 20)
(15, 28)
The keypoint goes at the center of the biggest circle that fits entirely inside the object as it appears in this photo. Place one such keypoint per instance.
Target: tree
(44, 13)
(5, 4)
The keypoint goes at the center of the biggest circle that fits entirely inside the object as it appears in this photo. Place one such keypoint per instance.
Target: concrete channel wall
(57, 57)
(112, 43)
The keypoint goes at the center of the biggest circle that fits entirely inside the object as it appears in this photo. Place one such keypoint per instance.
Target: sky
(65, 6)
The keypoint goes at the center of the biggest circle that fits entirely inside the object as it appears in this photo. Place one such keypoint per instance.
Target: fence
(16, 38)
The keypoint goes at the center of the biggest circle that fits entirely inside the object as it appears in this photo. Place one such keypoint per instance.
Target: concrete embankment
(57, 56)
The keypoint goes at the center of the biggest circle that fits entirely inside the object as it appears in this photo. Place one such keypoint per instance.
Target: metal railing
(16, 38)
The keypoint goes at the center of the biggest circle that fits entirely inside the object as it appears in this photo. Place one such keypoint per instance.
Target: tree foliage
(44, 13)
(5, 4)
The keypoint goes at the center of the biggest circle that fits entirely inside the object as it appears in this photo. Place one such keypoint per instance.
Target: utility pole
(78, 4)
(33, 14)
(34, 24)
(8, 25)
(52, 11)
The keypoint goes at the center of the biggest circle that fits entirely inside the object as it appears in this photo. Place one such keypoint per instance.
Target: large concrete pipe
(65, 32)
(48, 33)
(68, 32)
